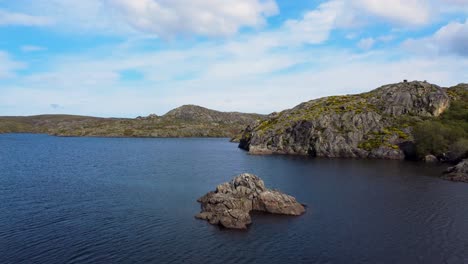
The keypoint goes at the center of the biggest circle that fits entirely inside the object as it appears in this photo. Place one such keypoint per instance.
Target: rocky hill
(185, 121)
(377, 124)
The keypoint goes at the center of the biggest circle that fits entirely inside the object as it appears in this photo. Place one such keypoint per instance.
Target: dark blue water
(95, 200)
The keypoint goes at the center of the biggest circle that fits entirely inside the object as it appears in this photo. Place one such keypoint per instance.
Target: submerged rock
(458, 173)
(231, 203)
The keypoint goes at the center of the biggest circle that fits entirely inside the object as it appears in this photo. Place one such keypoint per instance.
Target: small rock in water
(458, 173)
(430, 159)
(231, 203)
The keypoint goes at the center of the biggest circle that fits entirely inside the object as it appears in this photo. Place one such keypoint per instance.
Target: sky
(128, 58)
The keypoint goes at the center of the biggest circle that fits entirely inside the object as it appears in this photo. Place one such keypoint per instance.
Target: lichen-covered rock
(377, 124)
(231, 203)
(277, 203)
(415, 98)
(458, 173)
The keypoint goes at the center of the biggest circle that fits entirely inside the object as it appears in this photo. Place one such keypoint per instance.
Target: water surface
(101, 200)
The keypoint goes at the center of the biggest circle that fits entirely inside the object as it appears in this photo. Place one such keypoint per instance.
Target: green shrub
(459, 149)
(128, 132)
(432, 138)
(447, 134)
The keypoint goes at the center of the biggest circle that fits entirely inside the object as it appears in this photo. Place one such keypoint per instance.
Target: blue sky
(135, 57)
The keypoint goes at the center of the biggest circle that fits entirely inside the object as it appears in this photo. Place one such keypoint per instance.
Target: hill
(185, 121)
(376, 124)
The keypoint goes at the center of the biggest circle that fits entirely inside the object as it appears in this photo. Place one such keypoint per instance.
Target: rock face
(231, 203)
(377, 124)
(458, 173)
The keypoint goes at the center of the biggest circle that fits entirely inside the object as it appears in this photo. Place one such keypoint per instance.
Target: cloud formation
(451, 39)
(166, 18)
(8, 18)
(170, 18)
(8, 66)
(407, 12)
(315, 26)
(201, 17)
(336, 47)
(32, 48)
(366, 43)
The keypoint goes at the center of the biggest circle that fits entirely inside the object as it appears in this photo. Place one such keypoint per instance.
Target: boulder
(458, 172)
(230, 204)
(430, 159)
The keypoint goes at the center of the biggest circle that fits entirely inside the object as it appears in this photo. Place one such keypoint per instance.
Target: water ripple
(86, 200)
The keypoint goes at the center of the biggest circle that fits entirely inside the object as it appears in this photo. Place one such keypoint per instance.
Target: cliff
(376, 124)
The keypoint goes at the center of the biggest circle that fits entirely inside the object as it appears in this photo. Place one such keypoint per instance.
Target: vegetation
(446, 136)
(186, 121)
(376, 124)
(382, 139)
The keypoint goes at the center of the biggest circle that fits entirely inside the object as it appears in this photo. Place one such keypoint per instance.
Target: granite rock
(230, 204)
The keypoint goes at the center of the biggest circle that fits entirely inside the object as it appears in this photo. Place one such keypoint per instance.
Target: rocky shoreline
(231, 203)
(457, 173)
(379, 124)
(376, 124)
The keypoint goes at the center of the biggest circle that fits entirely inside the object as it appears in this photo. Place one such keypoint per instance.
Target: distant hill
(377, 124)
(185, 121)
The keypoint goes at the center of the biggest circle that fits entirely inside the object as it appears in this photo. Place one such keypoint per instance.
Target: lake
(117, 200)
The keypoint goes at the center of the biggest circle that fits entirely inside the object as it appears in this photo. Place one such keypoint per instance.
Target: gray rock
(369, 125)
(458, 173)
(231, 203)
(430, 159)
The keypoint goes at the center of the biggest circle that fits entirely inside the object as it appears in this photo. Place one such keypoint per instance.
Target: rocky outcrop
(377, 124)
(410, 98)
(457, 173)
(230, 204)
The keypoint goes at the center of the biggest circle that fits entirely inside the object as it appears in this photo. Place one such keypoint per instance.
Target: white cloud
(361, 13)
(245, 78)
(8, 66)
(451, 6)
(370, 42)
(165, 18)
(366, 43)
(169, 18)
(202, 17)
(342, 74)
(450, 39)
(19, 19)
(32, 48)
(261, 72)
(412, 12)
(453, 38)
(315, 26)
(386, 38)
